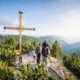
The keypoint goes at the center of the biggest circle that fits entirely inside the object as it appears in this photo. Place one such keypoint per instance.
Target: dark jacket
(45, 44)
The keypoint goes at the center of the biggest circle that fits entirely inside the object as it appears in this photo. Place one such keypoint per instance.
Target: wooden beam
(28, 29)
(11, 28)
(20, 36)
(17, 28)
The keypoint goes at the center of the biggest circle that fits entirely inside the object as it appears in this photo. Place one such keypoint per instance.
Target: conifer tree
(56, 50)
(28, 73)
(6, 73)
(35, 44)
(11, 41)
(73, 63)
(27, 46)
(7, 55)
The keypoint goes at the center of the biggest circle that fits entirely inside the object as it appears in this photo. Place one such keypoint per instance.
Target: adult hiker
(45, 52)
(38, 53)
(45, 44)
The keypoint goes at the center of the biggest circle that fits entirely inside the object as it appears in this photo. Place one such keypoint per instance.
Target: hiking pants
(38, 58)
(45, 60)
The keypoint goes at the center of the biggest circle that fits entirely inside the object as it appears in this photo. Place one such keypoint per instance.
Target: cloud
(69, 23)
(67, 1)
(6, 21)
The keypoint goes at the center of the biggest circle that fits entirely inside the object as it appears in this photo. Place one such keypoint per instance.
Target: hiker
(45, 44)
(38, 53)
(45, 52)
(34, 56)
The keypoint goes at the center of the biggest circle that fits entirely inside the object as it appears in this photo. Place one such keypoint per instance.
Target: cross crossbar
(18, 28)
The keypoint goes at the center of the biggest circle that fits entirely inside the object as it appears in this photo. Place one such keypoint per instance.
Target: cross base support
(20, 59)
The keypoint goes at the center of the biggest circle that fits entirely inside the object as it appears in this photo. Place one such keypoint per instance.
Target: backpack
(37, 50)
(45, 51)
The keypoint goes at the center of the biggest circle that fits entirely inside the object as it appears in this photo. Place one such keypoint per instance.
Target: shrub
(6, 73)
(28, 73)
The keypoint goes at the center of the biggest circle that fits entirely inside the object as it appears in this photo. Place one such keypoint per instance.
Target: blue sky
(48, 17)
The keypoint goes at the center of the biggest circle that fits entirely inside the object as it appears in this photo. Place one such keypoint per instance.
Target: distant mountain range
(66, 47)
(71, 48)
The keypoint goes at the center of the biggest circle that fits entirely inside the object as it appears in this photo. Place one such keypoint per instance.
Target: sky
(48, 17)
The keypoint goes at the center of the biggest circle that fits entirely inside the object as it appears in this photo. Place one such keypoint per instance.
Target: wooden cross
(20, 28)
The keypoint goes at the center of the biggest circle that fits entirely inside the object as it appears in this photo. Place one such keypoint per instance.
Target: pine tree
(35, 44)
(6, 73)
(73, 63)
(28, 73)
(11, 41)
(56, 50)
(7, 54)
(27, 46)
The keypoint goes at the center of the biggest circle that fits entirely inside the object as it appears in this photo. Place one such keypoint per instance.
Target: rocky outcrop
(55, 66)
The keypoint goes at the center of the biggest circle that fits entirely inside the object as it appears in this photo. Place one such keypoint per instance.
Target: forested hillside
(65, 47)
(40, 39)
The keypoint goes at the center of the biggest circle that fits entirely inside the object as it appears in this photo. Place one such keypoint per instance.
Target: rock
(55, 66)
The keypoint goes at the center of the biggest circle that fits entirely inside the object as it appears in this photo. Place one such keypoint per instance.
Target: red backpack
(45, 51)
